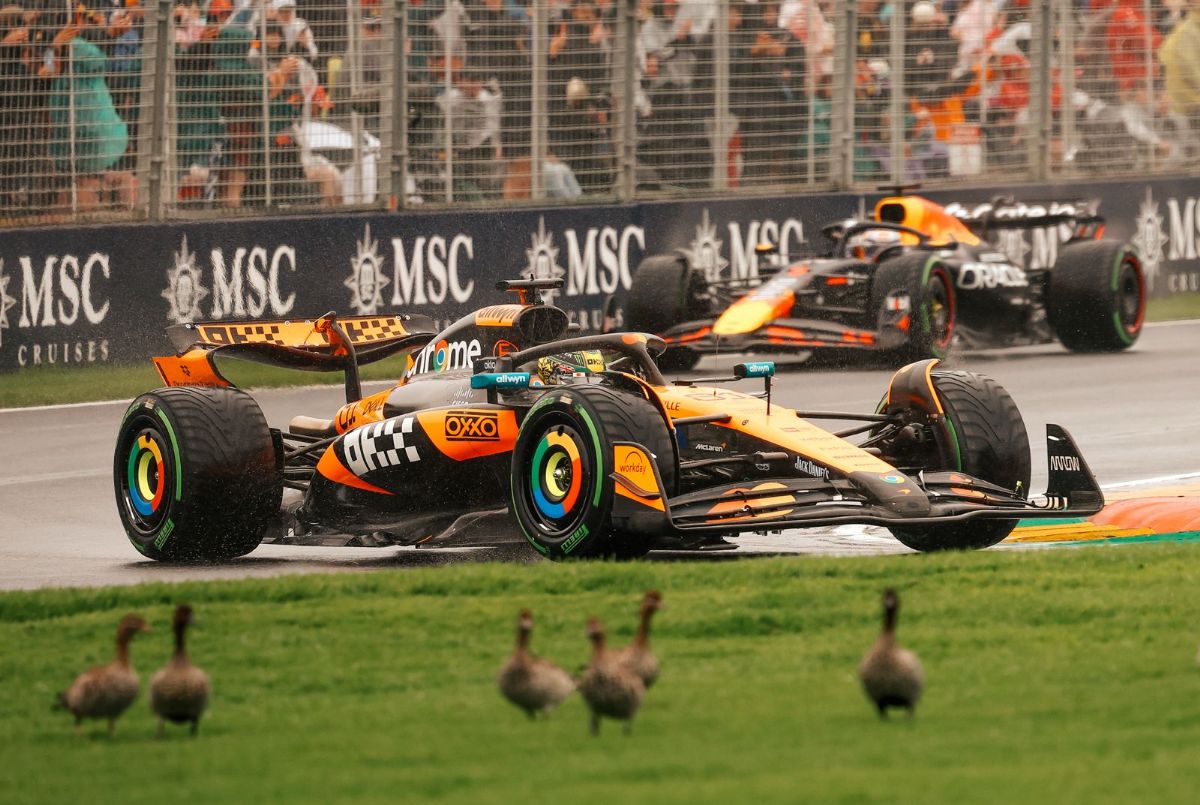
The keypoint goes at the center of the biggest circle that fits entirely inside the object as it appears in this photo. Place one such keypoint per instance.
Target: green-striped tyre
(1097, 296)
(990, 443)
(196, 473)
(925, 282)
(562, 494)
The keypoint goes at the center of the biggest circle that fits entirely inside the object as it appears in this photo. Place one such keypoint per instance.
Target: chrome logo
(440, 356)
(556, 473)
(147, 476)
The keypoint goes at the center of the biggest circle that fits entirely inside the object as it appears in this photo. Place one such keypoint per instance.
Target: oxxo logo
(473, 427)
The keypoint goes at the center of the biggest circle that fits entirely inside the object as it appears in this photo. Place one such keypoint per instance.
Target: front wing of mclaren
(933, 498)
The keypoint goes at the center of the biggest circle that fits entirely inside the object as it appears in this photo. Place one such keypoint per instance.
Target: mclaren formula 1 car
(578, 441)
(907, 284)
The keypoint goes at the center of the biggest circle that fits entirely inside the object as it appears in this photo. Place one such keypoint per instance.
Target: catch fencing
(193, 110)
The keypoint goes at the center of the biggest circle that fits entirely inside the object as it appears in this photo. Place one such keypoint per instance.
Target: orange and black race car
(908, 284)
(579, 441)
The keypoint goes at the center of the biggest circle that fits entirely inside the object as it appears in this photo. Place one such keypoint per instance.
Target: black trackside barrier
(86, 295)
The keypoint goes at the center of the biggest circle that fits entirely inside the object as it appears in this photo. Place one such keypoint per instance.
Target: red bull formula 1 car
(580, 441)
(905, 285)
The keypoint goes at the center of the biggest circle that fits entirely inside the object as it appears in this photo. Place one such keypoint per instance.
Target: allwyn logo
(473, 427)
(1064, 463)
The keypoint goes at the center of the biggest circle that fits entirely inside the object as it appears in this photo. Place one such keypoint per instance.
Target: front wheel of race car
(989, 442)
(562, 493)
(666, 291)
(913, 297)
(196, 473)
(1097, 296)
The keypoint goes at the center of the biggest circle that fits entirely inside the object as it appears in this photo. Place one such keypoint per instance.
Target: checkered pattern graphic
(379, 445)
(366, 331)
(222, 334)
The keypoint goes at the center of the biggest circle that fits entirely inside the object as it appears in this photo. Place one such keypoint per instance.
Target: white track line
(1183, 476)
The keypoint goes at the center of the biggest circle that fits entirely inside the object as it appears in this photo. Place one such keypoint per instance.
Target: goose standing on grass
(610, 689)
(530, 682)
(106, 691)
(637, 656)
(892, 676)
(179, 690)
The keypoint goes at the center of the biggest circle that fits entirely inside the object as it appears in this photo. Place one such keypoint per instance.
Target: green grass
(45, 385)
(1053, 676)
(1175, 306)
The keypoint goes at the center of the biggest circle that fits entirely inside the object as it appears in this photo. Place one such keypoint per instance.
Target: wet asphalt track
(1135, 415)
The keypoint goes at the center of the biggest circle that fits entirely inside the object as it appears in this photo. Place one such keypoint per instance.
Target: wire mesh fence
(152, 108)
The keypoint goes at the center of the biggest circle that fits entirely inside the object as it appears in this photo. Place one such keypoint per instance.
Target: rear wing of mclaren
(325, 344)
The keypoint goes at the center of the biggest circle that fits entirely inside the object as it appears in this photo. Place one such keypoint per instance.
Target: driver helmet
(868, 244)
(566, 366)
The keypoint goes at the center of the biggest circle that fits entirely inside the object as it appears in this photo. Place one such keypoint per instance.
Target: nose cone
(753, 312)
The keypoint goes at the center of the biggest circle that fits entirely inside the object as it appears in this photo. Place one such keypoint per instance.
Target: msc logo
(468, 427)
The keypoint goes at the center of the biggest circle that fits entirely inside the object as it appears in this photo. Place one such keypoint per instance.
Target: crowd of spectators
(281, 101)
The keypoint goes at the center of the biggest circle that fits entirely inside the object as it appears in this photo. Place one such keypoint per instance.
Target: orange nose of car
(750, 313)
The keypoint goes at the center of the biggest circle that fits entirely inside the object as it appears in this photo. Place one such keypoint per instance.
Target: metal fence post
(627, 180)
(841, 123)
(398, 162)
(153, 103)
(721, 119)
(1067, 73)
(537, 98)
(896, 100)
(1040, 50)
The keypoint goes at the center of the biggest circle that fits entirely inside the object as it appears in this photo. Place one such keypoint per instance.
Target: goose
(891, 676)
(179, 690)
(106, 691)
(638, 656)
(531, 683)
(608, 687)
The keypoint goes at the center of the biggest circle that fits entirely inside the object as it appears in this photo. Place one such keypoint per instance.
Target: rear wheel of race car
(562, 495)
(1097, 296)
(928, 322)
(196, 473)
(667, 291)
(990, 444)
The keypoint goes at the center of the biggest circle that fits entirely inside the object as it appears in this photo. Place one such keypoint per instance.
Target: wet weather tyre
(990, 443)
(667, 291)
(927, 326)
(1097, 296)
(197, 474)
(562, 495)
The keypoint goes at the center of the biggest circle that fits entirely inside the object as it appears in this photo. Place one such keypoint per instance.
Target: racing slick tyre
(667, 291)
(1097, 296)
(928, 323)
(197, 474)
(562, 495)
(990, 443)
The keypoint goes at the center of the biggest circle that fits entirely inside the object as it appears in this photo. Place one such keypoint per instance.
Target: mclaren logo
(705, 253)
(366, 281)
(1150, 238)
(184, 291)
(543, 258)
(6, 302)
(469, 427)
